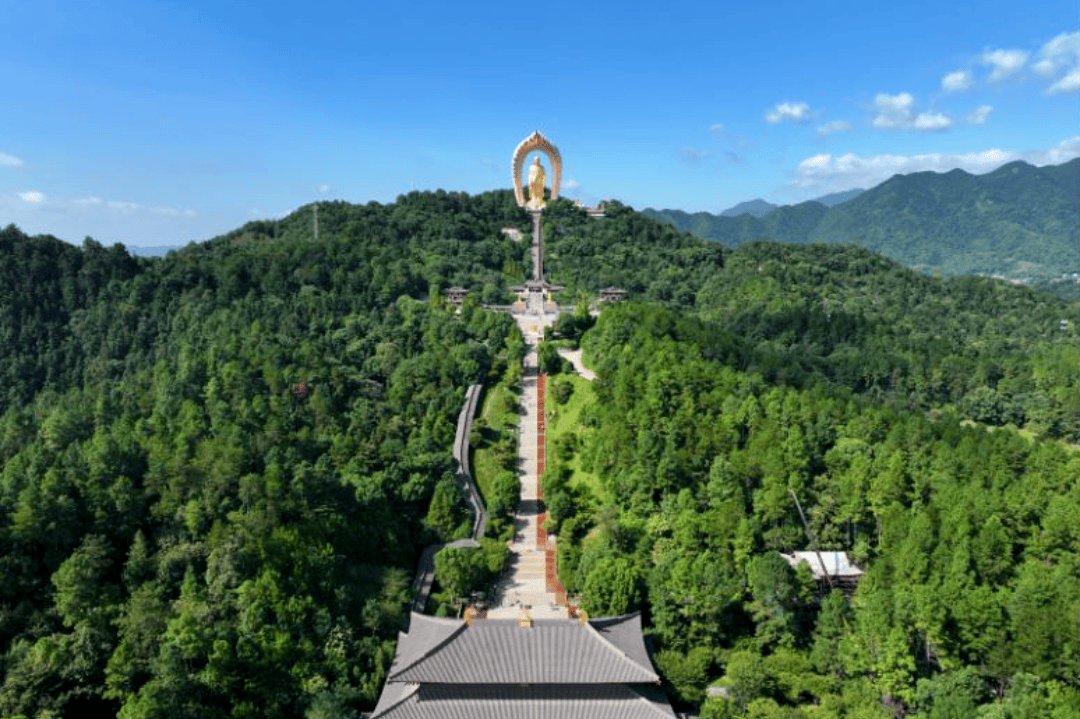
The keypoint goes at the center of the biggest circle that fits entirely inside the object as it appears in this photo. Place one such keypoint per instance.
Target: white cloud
(894, 103)
(167, 211)
(325, 188)
(794, 111)
(10, 160)
(87, 201)
(1068, 83)
(832, 173)
(717, 128)
(571, 185)
(32, 196)
(1061, 52)
(959, 80)
(1064, 151)
(1004, 62)
(834, 126)
(893, 110)
(123, 206)
(979, 114)
(931, 122)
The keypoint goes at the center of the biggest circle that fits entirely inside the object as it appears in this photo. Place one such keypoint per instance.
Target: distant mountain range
(837, 197)
(1019, 221)
(757, 208)
(760, 207)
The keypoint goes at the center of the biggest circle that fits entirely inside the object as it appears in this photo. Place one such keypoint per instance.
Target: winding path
(575, 359)
(425, 572)
(461, 454)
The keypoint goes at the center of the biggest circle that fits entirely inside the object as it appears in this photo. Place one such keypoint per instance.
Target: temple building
(527, 669)
(456, 295)
(612, 294)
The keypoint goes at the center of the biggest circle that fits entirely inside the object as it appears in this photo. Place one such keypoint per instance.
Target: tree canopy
(219, 466)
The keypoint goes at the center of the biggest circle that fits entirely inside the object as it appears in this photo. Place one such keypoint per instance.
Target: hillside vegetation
(219, 466)
(969, 536)
(1018, 221)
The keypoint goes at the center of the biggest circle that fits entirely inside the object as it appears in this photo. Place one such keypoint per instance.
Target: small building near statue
(456, 295)
(495, 668)
(612, 294)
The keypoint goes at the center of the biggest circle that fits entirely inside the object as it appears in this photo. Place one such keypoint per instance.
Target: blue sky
(153, 123)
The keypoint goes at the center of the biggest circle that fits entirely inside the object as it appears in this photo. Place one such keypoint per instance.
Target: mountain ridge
(1016, 222)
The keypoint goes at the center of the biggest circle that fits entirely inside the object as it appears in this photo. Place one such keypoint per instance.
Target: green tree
(774, 587)
(458, 570)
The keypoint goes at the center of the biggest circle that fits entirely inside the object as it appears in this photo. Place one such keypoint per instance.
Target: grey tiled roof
(625, 633)
(498, 651)
(425, 633)
(545, 701)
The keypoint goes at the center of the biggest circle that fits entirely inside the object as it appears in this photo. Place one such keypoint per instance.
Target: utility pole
(813, 538)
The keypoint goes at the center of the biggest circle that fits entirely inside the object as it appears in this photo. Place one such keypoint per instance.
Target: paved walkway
(425, 572)
(575, 359)
(525, 583)
(463, 475)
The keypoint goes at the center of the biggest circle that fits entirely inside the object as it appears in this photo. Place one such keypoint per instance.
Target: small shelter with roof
(833, 568)
(556, 668)
(456, 295)
(612, 294)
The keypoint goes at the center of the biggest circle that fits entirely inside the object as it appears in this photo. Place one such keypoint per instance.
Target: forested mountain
(835, 198)
(1018, 221)
(969, 537)
(219, 465)
(757, 208)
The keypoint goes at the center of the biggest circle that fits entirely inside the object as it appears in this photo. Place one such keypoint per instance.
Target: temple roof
(498, 651)
(545, 701)
(537, 285)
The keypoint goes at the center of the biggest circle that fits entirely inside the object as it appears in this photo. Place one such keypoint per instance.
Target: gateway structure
(527, 669)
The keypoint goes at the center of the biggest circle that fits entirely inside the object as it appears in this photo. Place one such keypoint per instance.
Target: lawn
(497, 422)
(564, 418)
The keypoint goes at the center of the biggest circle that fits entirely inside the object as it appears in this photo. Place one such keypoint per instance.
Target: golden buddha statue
(536, 184)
